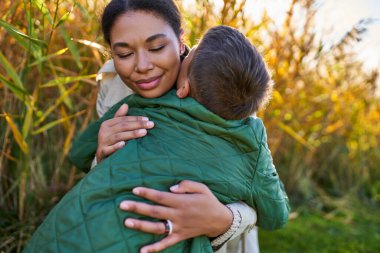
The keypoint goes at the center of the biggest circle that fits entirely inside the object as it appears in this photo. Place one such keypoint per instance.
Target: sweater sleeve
(269, 196)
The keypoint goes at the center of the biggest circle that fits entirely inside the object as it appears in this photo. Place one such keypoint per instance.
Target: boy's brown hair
(227, 75)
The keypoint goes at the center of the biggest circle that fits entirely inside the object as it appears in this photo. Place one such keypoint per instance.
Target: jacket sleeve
(111, 91)
(269, 196)
(83, 148)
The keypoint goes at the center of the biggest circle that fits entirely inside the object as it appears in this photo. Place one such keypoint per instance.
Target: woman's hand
(114, 132)
(191, 207)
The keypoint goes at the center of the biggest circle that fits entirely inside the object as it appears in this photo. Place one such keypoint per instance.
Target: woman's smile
(148, 84)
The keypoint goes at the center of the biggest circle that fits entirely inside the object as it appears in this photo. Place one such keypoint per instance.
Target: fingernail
(174, 187)
(124, 205)
(136, 191)
(144, 251)
(129, 223)
(142, 131)
(144, 118)
(150, 124)
(179, 93)
(121, 144)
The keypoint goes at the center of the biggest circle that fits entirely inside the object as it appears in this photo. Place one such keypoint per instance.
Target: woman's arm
(104, 137)
(193, 211)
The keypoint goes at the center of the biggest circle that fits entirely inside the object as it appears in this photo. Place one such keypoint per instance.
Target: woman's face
(146, 53)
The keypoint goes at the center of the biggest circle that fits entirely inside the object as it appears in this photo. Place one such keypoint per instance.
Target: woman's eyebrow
(120, 44)
(149, 39)
(154, 37)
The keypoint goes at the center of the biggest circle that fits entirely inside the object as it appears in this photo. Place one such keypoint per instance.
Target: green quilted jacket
(188, 142)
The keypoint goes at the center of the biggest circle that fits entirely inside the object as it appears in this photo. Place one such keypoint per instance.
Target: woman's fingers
(187, 186)
(122, 111)
(132, 125)
(158, 212)
(108, 150)
(186, 209)
(168, 241)
(151, 227)
(158, 197)
(117, 120)
(110, 131)
(125, 136)
(114, 132)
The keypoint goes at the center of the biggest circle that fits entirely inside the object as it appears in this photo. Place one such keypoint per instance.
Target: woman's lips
(148, 84)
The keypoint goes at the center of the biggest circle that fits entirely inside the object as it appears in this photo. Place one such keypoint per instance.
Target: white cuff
(243, 215)
(236, 220)
(94, 163)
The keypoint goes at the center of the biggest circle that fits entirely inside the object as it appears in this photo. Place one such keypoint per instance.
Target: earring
(182, 49)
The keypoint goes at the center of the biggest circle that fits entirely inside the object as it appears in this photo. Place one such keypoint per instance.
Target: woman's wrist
(223, 222)
(219, 241)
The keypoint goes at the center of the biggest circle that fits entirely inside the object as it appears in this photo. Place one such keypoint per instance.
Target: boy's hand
(113, 133)
(190, 206)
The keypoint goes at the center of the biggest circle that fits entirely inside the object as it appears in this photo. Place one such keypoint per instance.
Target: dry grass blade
(11, 71)
(57, 122)
(48, 57)
(66, 79)
(19, 35)
(17, 134)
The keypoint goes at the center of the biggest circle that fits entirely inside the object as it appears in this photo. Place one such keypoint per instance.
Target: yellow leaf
(295, 135)
(68, 140)
(17, 135)
(333, 127)
(277, 97)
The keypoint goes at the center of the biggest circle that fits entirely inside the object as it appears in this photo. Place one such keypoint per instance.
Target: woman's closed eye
(154, 49)
(124, 55)
(157, 49)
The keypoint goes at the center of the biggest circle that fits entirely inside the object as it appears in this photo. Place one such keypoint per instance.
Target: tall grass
(48, 90)
(322, 121)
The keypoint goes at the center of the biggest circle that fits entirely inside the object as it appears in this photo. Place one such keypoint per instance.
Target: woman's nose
(143, 63)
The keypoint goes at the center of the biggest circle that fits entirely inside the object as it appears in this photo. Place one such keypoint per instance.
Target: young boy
(208, 138)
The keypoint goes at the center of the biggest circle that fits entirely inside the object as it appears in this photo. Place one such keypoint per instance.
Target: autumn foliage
(322, 122)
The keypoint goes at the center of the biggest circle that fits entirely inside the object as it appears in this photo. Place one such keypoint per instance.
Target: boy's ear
(185, 89)
(183, 86)
(182, 46)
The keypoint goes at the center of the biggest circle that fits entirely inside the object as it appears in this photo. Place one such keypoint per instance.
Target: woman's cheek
(125, 70)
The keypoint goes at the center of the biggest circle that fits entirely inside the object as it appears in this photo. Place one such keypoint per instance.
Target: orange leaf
(17, 135)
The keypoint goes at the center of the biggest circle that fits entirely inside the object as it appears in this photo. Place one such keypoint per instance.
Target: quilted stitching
(219, 153)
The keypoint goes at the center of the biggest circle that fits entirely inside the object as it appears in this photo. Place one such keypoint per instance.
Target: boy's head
(226, 74)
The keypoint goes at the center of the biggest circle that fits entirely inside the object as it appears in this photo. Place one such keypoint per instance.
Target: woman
(186, 222)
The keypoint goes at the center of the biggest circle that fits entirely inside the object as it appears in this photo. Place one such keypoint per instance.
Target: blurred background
(323, 121)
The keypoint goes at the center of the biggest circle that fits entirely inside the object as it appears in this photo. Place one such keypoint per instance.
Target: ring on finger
(168, 226)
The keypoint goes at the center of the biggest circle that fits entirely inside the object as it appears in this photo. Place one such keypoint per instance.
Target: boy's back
(188, 142)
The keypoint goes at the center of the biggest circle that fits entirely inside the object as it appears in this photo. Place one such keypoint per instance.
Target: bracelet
(223, 238)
